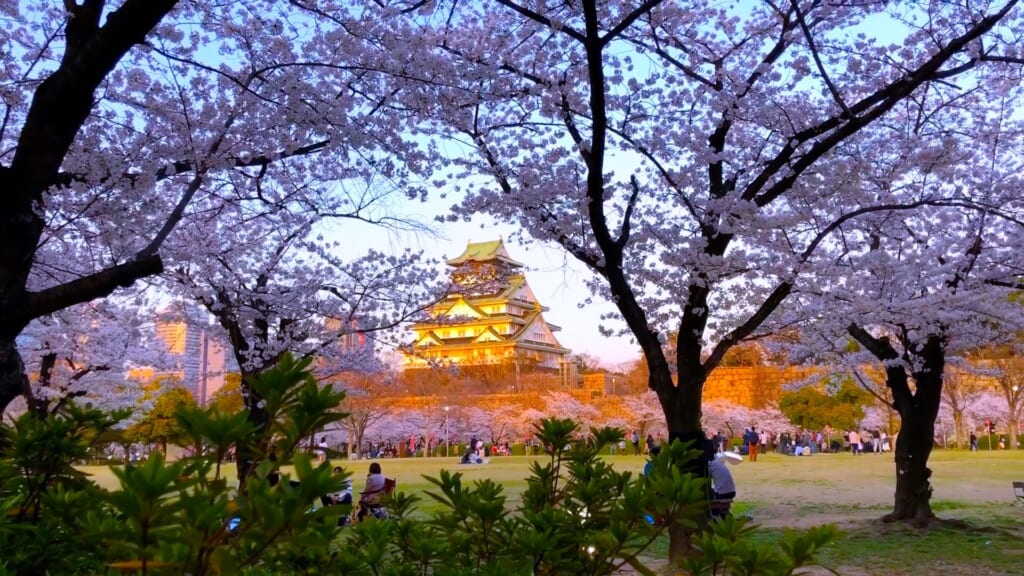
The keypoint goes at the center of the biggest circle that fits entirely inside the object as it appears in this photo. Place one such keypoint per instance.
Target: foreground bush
(577, 516)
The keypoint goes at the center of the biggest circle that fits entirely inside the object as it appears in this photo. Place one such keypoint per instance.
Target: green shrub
(578, 515)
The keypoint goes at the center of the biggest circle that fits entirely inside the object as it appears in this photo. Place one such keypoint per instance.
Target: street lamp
(446, 444)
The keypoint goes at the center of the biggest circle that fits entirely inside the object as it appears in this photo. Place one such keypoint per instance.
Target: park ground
(851, 491)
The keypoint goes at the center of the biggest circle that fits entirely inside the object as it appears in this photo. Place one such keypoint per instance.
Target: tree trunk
(13, 380)
(918, 409)
(249, 453)
(958, 429)
(682, 415)
(913, 488)
(917, 438)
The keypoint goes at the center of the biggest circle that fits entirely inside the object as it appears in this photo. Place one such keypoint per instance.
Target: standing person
(321, 449)
(854, 442)
(635, 439)
(751, 438)
(974, 442)
(762, 442)
(650, 443)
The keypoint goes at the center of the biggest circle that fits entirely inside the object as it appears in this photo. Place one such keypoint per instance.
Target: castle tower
(491, 318)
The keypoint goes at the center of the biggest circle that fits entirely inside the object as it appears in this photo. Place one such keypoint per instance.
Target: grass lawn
(850, 491)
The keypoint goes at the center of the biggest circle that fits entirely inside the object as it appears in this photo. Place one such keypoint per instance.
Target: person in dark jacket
(751, 439)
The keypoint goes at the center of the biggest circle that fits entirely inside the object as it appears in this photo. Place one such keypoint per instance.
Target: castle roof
(484, 252)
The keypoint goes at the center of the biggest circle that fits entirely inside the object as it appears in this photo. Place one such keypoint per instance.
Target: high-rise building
(491, 318)
(198, 359)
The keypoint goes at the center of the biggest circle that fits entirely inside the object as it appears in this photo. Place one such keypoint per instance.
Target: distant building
(492, 318)
(199, 360)
(354, 350)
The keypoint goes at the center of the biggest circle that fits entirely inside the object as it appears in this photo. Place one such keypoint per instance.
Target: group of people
(371, 499)
(805, 442)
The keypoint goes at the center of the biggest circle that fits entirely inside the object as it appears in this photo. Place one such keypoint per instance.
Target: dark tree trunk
(13, 381)
(60, 105)
(918, 410)
(248, 454)
(914, 444)
(681, 404)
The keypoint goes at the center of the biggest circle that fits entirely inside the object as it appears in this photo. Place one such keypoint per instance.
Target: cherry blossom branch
(780, 292)
(544, 20)
(795, 4)
(63, 101)
(628, 21)
(183, 166)
(840, 127)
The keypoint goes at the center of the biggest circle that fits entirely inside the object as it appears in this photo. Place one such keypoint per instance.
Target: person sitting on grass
(472, 455)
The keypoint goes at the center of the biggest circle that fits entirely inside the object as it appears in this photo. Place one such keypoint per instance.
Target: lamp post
(446, 444)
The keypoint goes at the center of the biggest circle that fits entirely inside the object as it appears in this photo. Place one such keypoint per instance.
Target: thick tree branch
(883, 350)
(65, 99)
(96, 285)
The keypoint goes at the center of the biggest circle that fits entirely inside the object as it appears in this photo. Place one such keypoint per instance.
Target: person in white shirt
(723, 487)
(722, 484)
(321, 449)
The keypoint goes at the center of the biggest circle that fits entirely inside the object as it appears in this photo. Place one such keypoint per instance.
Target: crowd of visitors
(803, 442)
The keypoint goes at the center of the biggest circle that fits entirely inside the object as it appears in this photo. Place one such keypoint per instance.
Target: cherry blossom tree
(366, 402)
(564, 405)
(911, 295)
(275, 285)
(644, 412)
(989, 407)
(960, 390)
(671, 147)
(83, 353)
(497, 423)
(1009, 377)
(523, 427)
(732, 419)
(123, 119)
(697, 156)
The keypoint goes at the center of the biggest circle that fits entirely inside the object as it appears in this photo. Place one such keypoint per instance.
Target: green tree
(839, 403)
(160, 424)
(228, 399)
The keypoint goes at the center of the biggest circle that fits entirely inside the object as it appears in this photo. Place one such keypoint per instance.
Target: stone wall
(755, 387)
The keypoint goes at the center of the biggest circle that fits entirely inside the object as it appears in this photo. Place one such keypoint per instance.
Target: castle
(490, 319)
